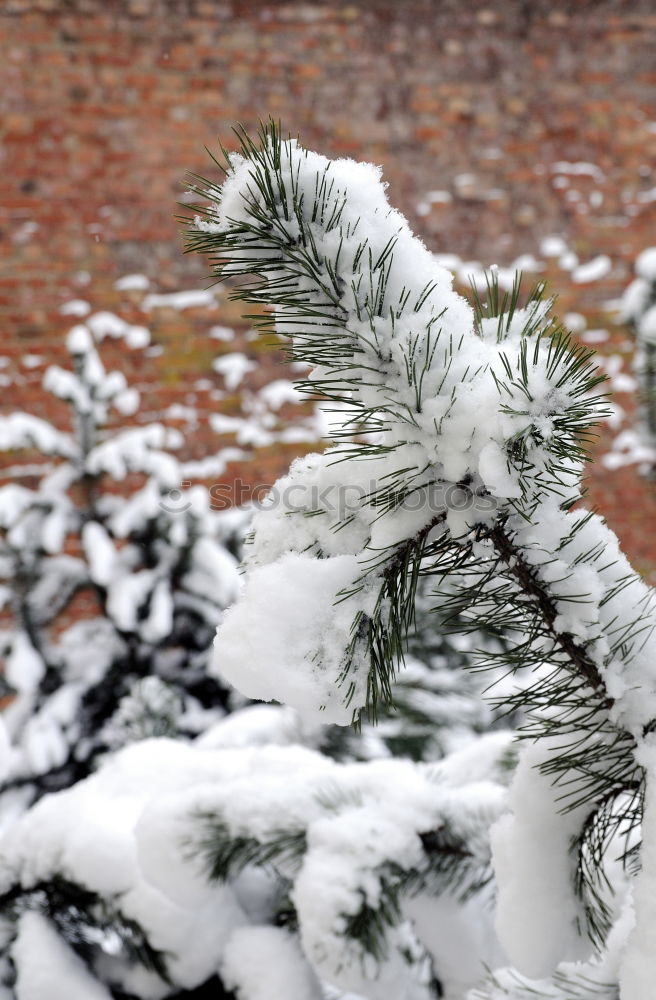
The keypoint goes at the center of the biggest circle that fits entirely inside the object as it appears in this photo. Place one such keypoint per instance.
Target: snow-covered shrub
(175, 864)
(638, 309)
(106, 520)
(471, 425)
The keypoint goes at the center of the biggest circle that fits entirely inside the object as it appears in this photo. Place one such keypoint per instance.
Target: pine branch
(85, 919)
(365, 307)
(509, 985)
(226, 854)
(530, 584)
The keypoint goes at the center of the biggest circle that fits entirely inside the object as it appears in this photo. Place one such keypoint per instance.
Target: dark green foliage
(85, 921)
(226, 855)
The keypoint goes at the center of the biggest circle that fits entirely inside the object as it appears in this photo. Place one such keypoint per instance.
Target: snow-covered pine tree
(638, 309)
(106, 517)
(464, 446)
(255, 869)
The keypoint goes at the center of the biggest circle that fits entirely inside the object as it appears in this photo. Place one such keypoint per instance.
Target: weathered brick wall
(106, 103)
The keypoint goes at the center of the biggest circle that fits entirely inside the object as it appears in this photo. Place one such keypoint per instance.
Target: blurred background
(511, 133)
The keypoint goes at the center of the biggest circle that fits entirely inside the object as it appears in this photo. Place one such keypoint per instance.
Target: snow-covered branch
(462, 440)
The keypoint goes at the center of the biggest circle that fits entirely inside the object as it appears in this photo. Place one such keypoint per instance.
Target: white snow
(266, 963)
(14, 501)
(24, 666)
(647, 326)
(192, 298)
(537, 909)
(127, 401)
(568, 261)
(597, 336)
(138, 449)
(132, 283)
(287, 619)
(255, 725)
(159, 621)
(32, 360)
(222, 333)
(107, 324)
(592, 270)
(628, 448)
(439, 197)
(45, 741)
(22, 430)
(53, 528)
(634, 301)
(275, 394)
(233, 367)
(79, 340)
(126, 595)
(528, 263)
(553, 246)
(178, 411)
(450, 261)
(213, 465)
(221, 423)
(619, 380)
(47, 968)
(100, 552)
(578, 169)
(638, 966)
(575, 322)
(75, 307)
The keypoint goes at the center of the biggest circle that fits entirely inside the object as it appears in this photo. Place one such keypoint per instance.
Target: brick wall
(468, 106)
